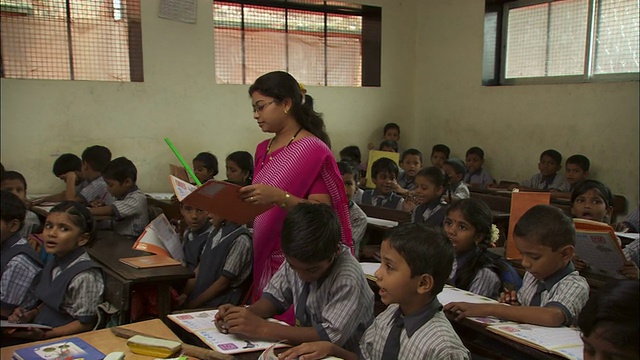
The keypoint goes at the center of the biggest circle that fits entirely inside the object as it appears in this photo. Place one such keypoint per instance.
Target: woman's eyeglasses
(259, 108)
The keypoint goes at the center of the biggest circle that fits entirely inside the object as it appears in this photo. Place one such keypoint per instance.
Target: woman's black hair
(244, 160)
(80, 216)
(281, 85)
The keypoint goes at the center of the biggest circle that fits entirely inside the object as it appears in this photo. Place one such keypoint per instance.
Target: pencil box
(149, 346)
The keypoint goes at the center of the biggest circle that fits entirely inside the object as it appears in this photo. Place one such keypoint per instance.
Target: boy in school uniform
(455, 170)
(476, 174)
(390, 132)
(416, 262)
(410, 164)
(129, 207)
(321, 280)
(21, 265)
(576, 169)
(548, 177)
(199, 228)
(552, 292)
(67, 168)
(14, 182)
(439, 154)
(94, 159)
(384, 173)
(350, 177)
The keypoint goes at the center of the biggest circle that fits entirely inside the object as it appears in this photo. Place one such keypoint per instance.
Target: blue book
(67, 349)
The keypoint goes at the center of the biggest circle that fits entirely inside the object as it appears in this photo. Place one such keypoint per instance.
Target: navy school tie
(392, 346)
(537, 296)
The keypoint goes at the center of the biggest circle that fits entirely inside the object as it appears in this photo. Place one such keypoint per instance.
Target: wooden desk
(108, 249)
(106, 342)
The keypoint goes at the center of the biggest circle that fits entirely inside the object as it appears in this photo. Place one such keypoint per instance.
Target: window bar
(242, 45)
(69, 39)
(548, 45)
(590, 48)
(326, 56)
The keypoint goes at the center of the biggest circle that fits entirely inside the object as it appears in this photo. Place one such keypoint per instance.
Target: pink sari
(294, 169)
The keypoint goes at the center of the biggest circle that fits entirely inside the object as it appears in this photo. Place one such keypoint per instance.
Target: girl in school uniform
(205, 166)
(239, 165)
(72, 285)
(430, 185)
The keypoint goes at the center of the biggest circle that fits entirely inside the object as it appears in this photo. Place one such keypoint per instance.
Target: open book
(562, 341)
(453, 294)
(202, 324)
(219, 198)
(179, 172)
(598, 246)
(67, 349)
(160, 238)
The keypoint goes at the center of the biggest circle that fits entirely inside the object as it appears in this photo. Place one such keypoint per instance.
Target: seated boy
(129, 207)
(576, 169)
(548, 177)
(320, 279)
(384, 173)
(94, 159)
(476, 174)
(391, 132)
(199, 229)
(67, 168)
(457, 189)
(439, 154)
(410, 164)
(14, 182)
(416, 262)
(552, 292)
(350, 176)
(21, 265)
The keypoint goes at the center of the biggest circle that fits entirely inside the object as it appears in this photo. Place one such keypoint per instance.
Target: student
(630, 223)
(410, 163)
(224, 267)
(548, 177)
(384, 173)
(205, 166)
(72, 285)
(199, 229)
(415, 263)
(351, 154)
(552, 293)
(468, 224)
(94, 159)
(391, 132)
(431, 208)
(239, 166)
(320, 279)
(358, 218)
(457, 189)
(439, 154)
(476, 174)
(576, 169)
(609, 322)
(67, 168)
(21, 265)
(129, 207)
(389, 146)
(14, 182)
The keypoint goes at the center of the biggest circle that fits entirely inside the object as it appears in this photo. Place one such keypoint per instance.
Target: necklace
(268, 152)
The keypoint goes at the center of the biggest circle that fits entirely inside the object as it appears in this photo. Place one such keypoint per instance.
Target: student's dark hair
(97, 156)
(457, 165)
(580, 160)
(408, 152)
(475, 151)
(66, 163)
(12, 207)
(346, 167)
(14, 175)
(351, 153)
(120, 169)
(390, 144)
(311, 233)
(209, 161)
(588, 184)
(390, 126)
(434, 174)
(441, 148)
(426, 251)
(80, 216)
(281, 85)
(613, 309)
(244, 160)
(546, 225)
(384, 165)
(554, 154)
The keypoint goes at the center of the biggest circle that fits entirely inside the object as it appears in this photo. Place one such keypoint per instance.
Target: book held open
(598, 246)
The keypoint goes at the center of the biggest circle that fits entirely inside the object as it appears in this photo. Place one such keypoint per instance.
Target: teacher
(294, 166)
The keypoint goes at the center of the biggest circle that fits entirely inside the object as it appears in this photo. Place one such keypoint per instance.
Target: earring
(286, 111)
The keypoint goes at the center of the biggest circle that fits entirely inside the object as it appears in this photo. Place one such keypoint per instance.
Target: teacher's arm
(267, 194)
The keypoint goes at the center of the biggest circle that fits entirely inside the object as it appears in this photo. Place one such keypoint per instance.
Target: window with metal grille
(561, 41)
(71, 39)
(322, 43)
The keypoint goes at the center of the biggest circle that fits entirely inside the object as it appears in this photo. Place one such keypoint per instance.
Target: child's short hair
(457, 165)
(12, 207)
(546, 225)
(120, 169)
(426, 251)
(66, 163)
(580, 160)
(384, 165)
(442, 148)
(554, 154)
(244, 160)
(475, 151)
(390, 144)
(586, 185)
(311, 233)
(209, 161)
(14, 175)
(390, 126)
(80, 216)
(351, 153)
(434, 174)
(346, 167)
(97, 156)
(408, 152)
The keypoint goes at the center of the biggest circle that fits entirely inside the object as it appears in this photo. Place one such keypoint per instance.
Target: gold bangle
(284, 202)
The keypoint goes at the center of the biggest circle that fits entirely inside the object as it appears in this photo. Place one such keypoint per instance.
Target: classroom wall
(514, 124)
(180, 100)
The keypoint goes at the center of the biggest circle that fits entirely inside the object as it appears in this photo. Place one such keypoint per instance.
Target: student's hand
(96, 203)
(464, 309)
(579, 264)
(262, 194)
(71, 176)
(20, 315)
(30, 333)
(242, 321)
(223, 310)
(371, 146)
(621, 227)
(630, 270)
(308, 351)
(509, 297)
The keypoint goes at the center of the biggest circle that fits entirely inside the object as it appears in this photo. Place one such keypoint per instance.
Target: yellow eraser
(149, 346)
